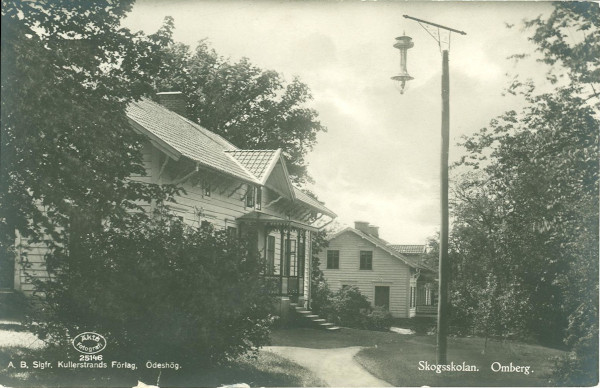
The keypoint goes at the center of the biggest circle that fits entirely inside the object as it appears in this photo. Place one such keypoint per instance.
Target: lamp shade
(403, 43)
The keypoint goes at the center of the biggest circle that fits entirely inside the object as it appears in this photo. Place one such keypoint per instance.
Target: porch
(285, 246)
(423, 295)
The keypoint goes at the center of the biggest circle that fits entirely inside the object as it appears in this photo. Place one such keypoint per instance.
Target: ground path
(336, 366)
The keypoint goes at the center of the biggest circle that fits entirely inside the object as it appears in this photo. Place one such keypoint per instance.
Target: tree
(569, 37)
(68, 72)
(527, 210)
(68, 153)
(250, 107)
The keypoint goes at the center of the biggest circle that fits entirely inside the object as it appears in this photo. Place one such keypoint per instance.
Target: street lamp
(403, 44)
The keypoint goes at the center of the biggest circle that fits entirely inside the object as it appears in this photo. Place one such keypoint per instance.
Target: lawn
(395, 358)
(267, 370)
(391, 357)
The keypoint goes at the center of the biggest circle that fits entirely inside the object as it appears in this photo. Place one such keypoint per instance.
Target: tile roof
(414, 253)
(258, 162)
(205, 147)
(408, 249)
(188, 138)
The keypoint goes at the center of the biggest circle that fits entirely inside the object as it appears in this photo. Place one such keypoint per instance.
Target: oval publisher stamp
(89, 343)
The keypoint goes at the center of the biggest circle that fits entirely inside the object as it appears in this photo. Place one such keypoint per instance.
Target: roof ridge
(247, 150)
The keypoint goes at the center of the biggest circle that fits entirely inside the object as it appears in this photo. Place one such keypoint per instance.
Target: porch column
(308, 272)
(281, 253)
(288, 255)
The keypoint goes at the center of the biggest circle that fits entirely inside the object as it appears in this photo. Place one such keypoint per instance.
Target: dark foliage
(160, 291)
(68, 72)
(348, 307)
(250, 107)
(320, 292)
(524, 244)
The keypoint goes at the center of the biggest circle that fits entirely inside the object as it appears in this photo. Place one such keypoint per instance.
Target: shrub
(158, 291)
(379, 319)
(350, 308)
(321, 297)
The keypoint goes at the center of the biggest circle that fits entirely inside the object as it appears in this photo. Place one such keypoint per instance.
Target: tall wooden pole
(442, 323)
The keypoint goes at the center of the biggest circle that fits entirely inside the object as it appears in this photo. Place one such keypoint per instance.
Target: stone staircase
(313, 319)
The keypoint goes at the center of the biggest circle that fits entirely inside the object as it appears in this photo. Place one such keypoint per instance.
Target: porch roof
(268, 219)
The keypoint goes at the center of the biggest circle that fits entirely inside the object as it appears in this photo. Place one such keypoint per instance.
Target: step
(319, 320)
(305, 312)
(334, 328)
(312, 316)
(326, 324)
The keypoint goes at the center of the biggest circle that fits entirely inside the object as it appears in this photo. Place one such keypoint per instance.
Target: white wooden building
(390, 275)
(228, 187)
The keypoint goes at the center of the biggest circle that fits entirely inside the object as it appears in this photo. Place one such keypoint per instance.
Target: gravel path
(336, 367)
(10, 338)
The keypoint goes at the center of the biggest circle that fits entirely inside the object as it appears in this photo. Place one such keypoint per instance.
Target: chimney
(362, 226)
(174, 101)
(374, 231)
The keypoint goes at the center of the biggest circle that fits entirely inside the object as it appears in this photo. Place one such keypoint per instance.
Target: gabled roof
(408, 249)
(178, 136)
(379, 243)
(184, 137)
(259, 162)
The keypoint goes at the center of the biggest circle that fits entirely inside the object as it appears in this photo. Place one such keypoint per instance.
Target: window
(290, 258)
(301, 257)
(205, 224)
(250, 197)
(232, 231)
(366, 259)
(206, 189)
(413, 297)
(271, 254)
(333, 259)
(258, 198)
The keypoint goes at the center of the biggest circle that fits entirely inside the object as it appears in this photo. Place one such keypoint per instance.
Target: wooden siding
(221, 208)
(387, 271)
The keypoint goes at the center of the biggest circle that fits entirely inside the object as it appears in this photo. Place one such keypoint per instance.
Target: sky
(379, 161)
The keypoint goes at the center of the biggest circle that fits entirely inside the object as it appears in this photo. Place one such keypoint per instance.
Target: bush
(321, 297)
(379, 319)
(158, 291)
(350, 308)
